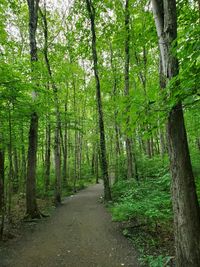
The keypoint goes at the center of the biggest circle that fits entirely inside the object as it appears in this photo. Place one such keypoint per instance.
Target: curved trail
(79, 234)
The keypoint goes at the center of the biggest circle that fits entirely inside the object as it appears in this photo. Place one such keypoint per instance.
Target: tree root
(34, 217)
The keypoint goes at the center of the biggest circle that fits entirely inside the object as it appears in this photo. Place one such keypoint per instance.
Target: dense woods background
(86, 91)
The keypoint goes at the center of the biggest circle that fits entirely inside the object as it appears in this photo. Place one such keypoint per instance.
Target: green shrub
(159, 261)
(152, 167)
(147, 200)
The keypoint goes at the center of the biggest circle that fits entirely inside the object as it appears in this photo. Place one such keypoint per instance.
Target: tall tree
(117, 143)
(104, 164)
(131, 170)
(31, 204)
(64, 142)
(57, 154)
(2, 176)
(184, 197)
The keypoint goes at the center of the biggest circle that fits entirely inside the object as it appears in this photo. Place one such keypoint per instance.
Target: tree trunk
(10, 172)
(2, 204)
(57, 151)
(117, 143)
(79, 152)
(198, 143)
(162, 86)
(131, 171)
(65, 147)
(47, 157)
(31, 204)
(162, 142)
(93, 160)
(184, 197)
(69, 153)
(152, 146)
(129, 155)
(97, 164)
(42, 148)
(16, 172)
(75, 160)
(75, 135)
(57, 166)
(104, 164)
(23, 162)
(185, 203)
(148, 147)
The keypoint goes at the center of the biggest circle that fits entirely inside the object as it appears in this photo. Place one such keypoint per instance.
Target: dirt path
(79, 234)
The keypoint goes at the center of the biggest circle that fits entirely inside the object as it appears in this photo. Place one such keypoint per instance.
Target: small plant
(140, 201)
(160, 261)
(146, 208)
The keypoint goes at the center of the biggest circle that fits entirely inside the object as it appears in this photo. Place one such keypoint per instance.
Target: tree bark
(184, 197)
(162, 142)
(31, 204)
(2, 204)
(57, 150)
(104, 164)
(10, 172)
(75, 135)
(116, 126)
(57, 166)
(97, 164)
(131, 170)
(65, 147)
(65, 173)
(16, 172)
(198, 143)
(47, 156)
(23, 162)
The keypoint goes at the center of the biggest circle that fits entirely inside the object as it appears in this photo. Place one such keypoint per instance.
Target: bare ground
(80, 233)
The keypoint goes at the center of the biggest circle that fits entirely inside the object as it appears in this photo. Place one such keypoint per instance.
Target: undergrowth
(145, 210)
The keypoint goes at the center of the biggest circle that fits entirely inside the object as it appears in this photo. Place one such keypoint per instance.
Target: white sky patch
(62, 6)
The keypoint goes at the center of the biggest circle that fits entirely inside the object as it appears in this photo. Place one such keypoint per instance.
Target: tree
(184, 197)
(2, 177)
(31, 204)
(57, 154)
(131, 164)
(104, 164)
(80, 131)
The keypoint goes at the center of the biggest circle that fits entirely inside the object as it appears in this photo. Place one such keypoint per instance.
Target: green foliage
(138, 200)
(140, 115)
(152, 167)
(189, 44)
(67, 188)
(146, 208)
(153, 261)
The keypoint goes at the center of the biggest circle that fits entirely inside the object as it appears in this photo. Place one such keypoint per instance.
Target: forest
(101, 94)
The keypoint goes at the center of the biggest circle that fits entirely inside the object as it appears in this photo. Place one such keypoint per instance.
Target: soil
(80, 233)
